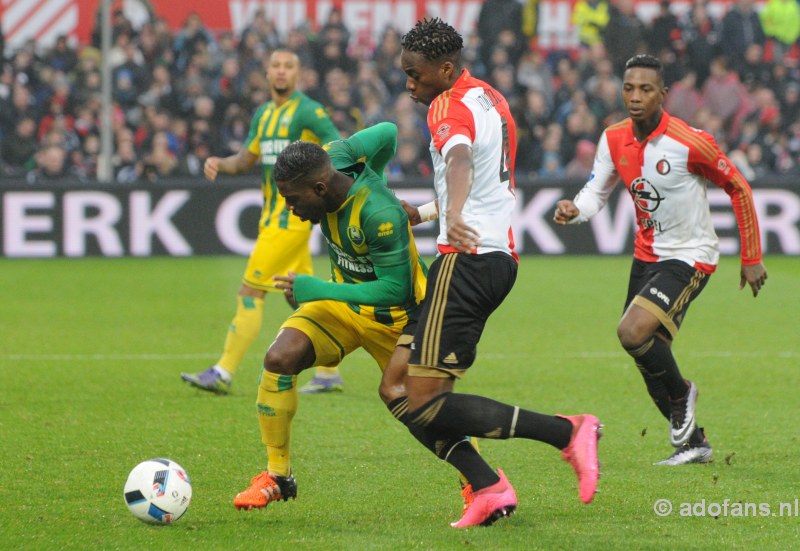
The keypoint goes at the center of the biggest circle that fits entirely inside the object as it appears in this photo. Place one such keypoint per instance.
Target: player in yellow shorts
(377, 279)
(282, 243)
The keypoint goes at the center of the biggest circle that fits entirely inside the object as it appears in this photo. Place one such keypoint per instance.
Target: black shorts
(665, 289)
(462, 291)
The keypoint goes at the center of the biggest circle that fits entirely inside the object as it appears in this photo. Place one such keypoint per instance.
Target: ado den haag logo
(356, 235)
(645, 195)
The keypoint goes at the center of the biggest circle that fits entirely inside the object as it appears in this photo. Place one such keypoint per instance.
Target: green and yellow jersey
(272, 128)
(375, 266)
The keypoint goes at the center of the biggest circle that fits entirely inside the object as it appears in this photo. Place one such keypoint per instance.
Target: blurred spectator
(297, 41)
(725, 96)
(234, 130)
(683, 98)
(190, 36)
(790, 104)
(700, 38)
(61, 56)
(387, 57)
(624, 36)
(552, 166)
(471, 56)
(20, 106)
(755, 70)
(119, 25)
(126, 166)
(345, 114)
(150, 47)
(780, 20)
(532, 122)
(580, 167)
(264, 30)
(159, 162)
(160, 93)
(51, 167)
(332, 55)
(533, 73)
(18, 149)
(503, 78)
(334, 29)
(500, 23)
(409, 162)
(740, 28)
(664, 31)
(84, 160)
(591, 18)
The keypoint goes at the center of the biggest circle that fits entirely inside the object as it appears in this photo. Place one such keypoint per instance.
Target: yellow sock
(242, 332)
(327, 371)
(276, 406)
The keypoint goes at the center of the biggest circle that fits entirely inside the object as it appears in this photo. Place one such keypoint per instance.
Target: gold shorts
(276, 252)
(335, 330)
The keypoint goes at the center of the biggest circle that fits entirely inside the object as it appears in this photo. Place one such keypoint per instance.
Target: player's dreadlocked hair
(646, 62)
(298, 160)
(433, 39)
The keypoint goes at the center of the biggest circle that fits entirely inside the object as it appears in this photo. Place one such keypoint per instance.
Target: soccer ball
(158, 491)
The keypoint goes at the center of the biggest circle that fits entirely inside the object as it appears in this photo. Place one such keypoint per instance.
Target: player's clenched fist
(211, 168)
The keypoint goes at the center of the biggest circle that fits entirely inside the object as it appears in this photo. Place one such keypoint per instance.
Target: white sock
(224, 374)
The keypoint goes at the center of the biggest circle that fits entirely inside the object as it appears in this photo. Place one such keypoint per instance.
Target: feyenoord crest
(662, 167)
(355, 235)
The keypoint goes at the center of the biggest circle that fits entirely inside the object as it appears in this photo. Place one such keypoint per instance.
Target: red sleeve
(448, 117)
(708, 161)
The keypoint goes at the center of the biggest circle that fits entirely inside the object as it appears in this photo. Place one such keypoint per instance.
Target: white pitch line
(104, 357)
(601, 355)
(486, 356)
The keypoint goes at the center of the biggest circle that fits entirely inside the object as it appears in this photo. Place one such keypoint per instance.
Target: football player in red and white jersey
(473, 149)
(666, 166)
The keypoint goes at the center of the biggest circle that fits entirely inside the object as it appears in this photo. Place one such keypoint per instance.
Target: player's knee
(393, 382)
(282, 360)
(632, 336)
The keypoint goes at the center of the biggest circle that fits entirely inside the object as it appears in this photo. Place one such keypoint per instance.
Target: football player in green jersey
(282, 244)
(376, 279)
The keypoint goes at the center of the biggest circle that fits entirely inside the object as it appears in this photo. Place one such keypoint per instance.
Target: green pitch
(90, 356)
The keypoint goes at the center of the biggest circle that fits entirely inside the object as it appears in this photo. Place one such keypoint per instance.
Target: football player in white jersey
(666, 166)
(473, 148)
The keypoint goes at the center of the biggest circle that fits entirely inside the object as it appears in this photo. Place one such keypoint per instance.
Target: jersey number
(505, 154)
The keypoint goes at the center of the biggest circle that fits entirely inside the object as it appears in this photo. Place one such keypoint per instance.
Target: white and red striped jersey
(666, 176)
(475, 114)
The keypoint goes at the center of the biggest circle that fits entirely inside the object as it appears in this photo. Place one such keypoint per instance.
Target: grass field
(91, 350)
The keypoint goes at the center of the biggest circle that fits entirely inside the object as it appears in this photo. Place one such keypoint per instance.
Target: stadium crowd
(179, 97)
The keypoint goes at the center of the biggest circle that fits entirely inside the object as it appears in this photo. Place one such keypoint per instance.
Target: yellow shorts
(277, 252)
(335, 331)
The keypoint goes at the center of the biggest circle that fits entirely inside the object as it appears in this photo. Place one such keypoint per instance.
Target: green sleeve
(378, 144)
(391, 259)
(392, 288)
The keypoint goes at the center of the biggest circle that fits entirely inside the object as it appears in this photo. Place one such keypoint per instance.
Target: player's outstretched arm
(238, 163)
(392, 288)
(754, 275)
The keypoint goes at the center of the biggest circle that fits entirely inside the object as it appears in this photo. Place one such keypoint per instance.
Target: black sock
(486, 418)
(457, 451)
(698, 437)
(657, 390)
(656, 357)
